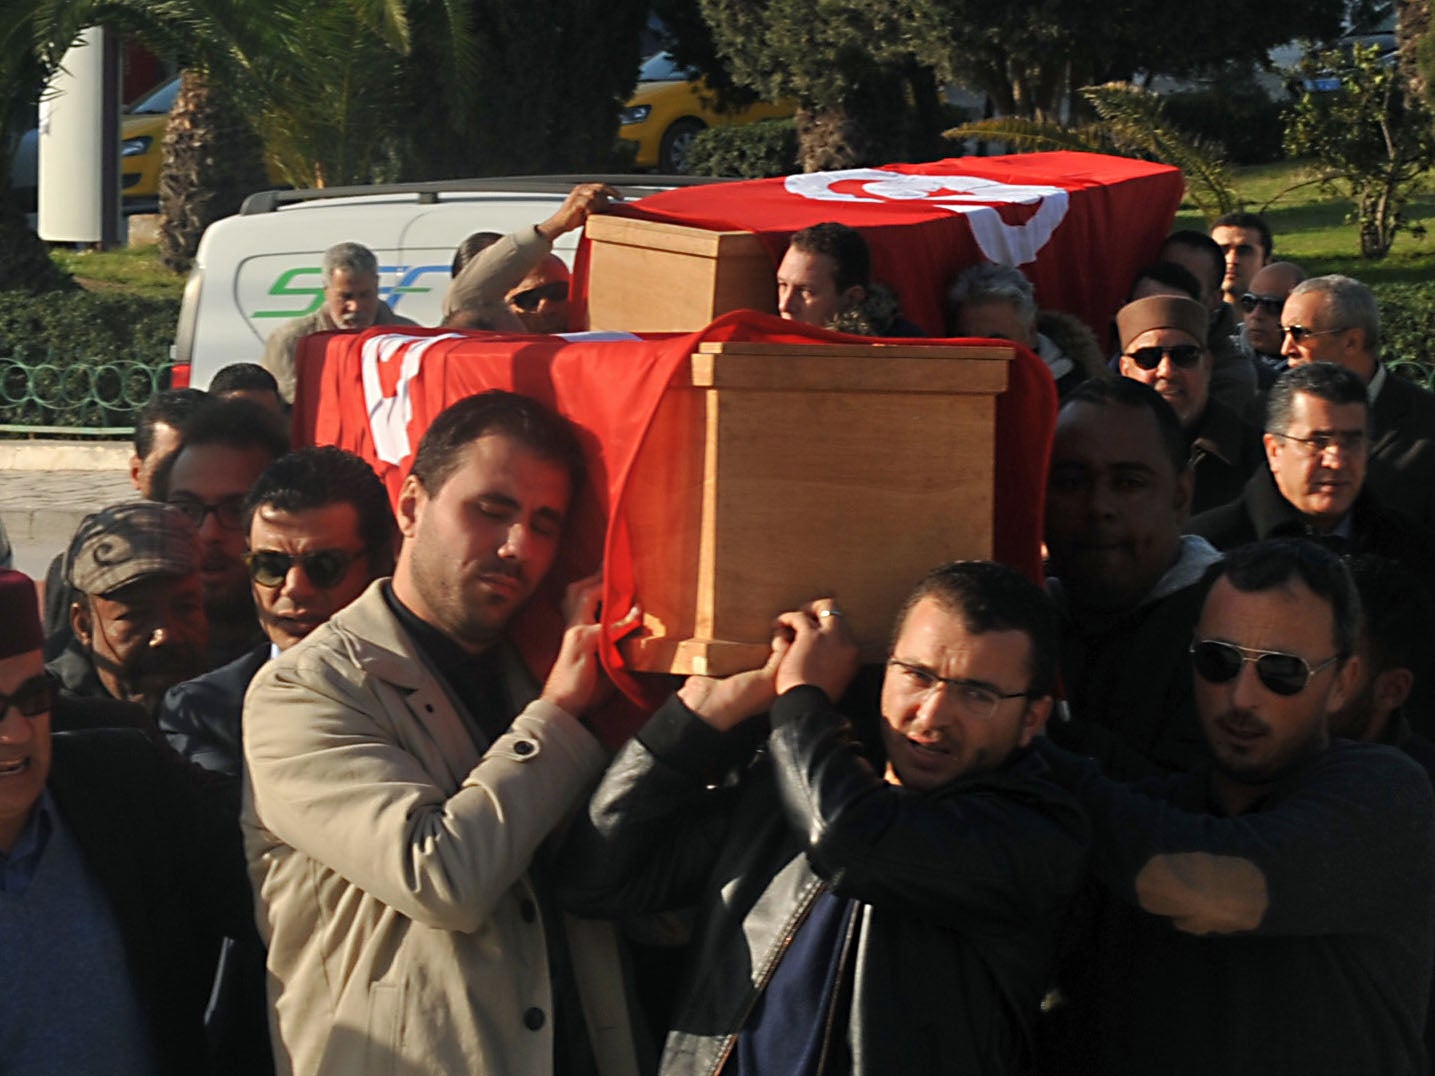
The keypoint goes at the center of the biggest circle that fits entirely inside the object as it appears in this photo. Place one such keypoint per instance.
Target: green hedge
(1239, 116)
(1407, 312)
(748, 151)
(81, 359)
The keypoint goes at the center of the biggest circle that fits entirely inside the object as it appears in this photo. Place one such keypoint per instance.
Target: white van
(259, 268)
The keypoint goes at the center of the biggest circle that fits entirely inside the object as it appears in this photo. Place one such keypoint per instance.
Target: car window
(659, 67)
(158, 101)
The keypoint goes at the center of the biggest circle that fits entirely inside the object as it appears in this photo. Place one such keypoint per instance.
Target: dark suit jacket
(1225, 451)
(162, 840)
(201, 717)
(1402, 449)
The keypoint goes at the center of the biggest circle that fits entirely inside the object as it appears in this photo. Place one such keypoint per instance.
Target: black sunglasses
(1271, 304)
(528, 301)
(32, 698)
(1285, 674)
(1300, 333)
(1183, 355)
(324, 567)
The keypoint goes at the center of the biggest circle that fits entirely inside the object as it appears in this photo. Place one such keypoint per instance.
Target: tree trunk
(25, 263)
(1412, 29)
(212, 162)
(872, 125)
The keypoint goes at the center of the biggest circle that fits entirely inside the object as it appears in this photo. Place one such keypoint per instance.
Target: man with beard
(1123, 577)
(223, 449)
(351, 303)
(1272, 914)
(138, 619)
(404, 771)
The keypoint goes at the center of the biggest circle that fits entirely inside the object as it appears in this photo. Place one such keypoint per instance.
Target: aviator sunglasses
(324, 567)
(1183, 355)
(1285, 674)
(32, 698)
(528, 301)
(1271, 304)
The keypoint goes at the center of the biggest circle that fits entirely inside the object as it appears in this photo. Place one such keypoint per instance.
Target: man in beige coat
(395, 809)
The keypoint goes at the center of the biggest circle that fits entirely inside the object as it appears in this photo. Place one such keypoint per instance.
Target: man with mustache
(403, 771)
(1123, 577)
(351, 303)
(223, 449)
(137, 620)
(1271, 914)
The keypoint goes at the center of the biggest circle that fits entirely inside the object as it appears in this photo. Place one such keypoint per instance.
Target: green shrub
(81, 359)
(1406, 313)
(1238, 115)
(747, 151)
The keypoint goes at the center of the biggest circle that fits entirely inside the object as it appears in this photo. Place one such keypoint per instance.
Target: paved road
(42, 507)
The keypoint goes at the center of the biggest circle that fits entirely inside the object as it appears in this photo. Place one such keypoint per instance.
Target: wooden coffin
(651, 277)
(776, 473)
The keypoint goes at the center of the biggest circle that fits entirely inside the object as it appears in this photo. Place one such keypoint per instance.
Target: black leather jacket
(960, 890)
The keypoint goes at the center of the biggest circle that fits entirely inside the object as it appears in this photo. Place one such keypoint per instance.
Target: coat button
(524, 747)
(528, 911)
(533, 1019)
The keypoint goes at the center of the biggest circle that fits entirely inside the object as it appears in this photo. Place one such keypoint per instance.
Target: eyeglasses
(1218, 662)
(32, 698)
(325, 568)
(972, 698)
(1182, 355)
(528, 301)
(1270, 304)
(228, 513)
(1348, 442)
(1299, 333)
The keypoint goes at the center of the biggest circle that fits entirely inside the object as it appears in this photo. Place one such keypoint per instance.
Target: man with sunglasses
(120, 869)
(1163, 344)
(1272, 914)
(1260, 337)
(867, 908)
(223, 448)
(1336, 319)
(1314, 481)
(320, 531)
(137, 620)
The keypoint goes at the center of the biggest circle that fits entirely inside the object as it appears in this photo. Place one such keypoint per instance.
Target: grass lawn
(133, 269)
(1310, 227)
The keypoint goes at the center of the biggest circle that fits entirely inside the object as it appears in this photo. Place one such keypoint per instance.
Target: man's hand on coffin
(582, 200)
(576, 675)
(727, 703)
(822, 653)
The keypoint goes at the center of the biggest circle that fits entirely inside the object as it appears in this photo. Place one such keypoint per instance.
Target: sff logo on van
(304, 289)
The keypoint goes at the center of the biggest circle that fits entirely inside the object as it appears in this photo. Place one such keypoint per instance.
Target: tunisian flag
(1079, 225)
(374, 393)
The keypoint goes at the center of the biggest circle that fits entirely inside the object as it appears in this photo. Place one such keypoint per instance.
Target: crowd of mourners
(280, 794)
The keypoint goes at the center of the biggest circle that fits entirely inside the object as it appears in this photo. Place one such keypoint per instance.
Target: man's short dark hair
(992, 597)
(1264, 566)
(1128, 392)
(235, 423)
(471, 248)
(243, 377)
(317, 477)
(844, 245)
(171, 407)
(1171, 275)
(1200, 241)
(1397, 612)
(1326, 381)
(544, 433)
(1252, 221)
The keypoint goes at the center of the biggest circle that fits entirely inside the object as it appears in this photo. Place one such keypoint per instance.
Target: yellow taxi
(142, 142)
(669, 108)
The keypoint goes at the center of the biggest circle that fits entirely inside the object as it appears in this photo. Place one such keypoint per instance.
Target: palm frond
(1029, 135)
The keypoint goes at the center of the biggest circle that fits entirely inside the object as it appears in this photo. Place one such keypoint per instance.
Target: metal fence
(76, 398)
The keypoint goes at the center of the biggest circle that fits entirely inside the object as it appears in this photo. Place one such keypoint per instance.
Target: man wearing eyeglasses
(1272, 914)
(119, 872)
(137, 620)
(862, 908)
(1260, 337)
(1317, 445)
(1336, 319)
(1163, 344)
(223, 448)
(320, 531)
